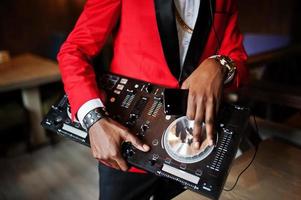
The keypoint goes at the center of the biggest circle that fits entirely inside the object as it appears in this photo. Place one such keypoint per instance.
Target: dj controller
(139, 106)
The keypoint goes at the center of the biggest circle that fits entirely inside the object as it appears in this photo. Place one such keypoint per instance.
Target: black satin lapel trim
(199, 38)
(168, 34)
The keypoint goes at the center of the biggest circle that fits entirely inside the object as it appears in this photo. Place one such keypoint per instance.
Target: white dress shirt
(188, 10)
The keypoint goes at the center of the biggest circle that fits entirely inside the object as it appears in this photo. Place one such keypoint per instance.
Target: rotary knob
(127, 149)
(58, 119)
(144, 127)
(133, 117)
(149, 88)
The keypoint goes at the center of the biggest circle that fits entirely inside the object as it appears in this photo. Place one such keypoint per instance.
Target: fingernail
(210, 143)
(146, 147)
(196, 145)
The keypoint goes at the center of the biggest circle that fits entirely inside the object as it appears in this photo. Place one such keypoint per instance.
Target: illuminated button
(120, 87)
(155, 142)
(123, 81)
(168, 160)
(136, 86)
(199, 172)
(167, 117)
(117, 91)
(155, 156)
(207, 187)
(183, 166)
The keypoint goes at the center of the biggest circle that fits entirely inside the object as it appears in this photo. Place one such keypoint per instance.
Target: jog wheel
(178, 142)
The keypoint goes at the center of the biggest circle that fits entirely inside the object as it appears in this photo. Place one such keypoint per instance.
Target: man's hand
(106, 137)
(205, 88)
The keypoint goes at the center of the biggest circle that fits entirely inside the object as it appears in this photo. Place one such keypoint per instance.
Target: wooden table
(27, 72)
(275, 174)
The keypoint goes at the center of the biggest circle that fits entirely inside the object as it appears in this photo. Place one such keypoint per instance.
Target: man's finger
(217, 102)
(204, 144)
(114, 164)
(191, 107)
(110, 163)
(185, 85)
(209, 121)
(104, 163)
(136, 142)
(197, 128)
(121, 162)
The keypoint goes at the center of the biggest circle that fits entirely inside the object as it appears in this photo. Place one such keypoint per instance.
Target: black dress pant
(119, 185)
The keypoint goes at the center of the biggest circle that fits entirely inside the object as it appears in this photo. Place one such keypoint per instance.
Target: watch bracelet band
(93, 116)
(228, 65)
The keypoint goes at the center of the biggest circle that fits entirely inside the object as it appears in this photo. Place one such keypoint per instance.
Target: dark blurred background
(35, 25)
(39, 26)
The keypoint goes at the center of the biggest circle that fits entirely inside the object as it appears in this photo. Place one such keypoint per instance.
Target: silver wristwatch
(229, 67)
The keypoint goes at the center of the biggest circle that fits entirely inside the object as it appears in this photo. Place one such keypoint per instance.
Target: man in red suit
(192, 44)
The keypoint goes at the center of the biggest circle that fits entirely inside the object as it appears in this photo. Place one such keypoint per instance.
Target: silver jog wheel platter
(178, 142)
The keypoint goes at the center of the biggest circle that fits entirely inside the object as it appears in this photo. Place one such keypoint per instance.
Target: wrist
(87, 107)
(94, 116)
(227, 65)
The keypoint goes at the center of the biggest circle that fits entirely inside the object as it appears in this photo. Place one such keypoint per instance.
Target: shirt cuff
(87, 107)
(214, 56)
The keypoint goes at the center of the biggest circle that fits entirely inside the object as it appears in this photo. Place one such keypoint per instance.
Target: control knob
(133, 117)
(149, 88)
(58, 119)
(127, 149)
(144, 127)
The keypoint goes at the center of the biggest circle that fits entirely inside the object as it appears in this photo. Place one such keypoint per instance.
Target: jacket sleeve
(83, 43)
(232, 46)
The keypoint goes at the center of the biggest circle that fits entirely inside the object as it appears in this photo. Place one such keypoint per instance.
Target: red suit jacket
(145, 43)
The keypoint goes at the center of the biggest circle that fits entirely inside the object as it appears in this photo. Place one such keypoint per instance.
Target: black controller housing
(139, 106)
